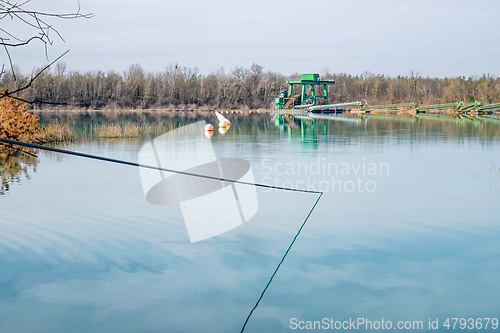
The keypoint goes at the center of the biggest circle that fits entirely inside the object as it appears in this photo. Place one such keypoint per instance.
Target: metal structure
(470, 106)
(307, 97)
(388, 106)
(489, 108)
(334, 107)
(424, 108)
(291, 102)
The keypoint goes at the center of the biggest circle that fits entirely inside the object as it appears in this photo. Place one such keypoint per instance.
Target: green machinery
(458, 107)
(289, 100)
(306, 101)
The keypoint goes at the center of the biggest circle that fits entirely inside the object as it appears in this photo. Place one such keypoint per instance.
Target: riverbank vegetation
(183, 88)
(17, 123)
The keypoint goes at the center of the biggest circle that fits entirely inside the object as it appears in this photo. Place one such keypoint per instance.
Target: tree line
(179, 87)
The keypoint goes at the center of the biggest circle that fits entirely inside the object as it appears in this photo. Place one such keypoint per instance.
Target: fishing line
(112, 160)
(279, 265)
(106, 159)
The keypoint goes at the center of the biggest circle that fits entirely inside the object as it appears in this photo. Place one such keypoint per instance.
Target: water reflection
(380, 127)
(323, 128)
(15, 166)
(92, 255)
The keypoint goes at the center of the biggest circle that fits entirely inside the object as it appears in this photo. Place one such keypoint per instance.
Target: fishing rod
(112, 160)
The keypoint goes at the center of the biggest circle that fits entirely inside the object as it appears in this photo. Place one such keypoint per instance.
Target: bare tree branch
(35, 20)
(36, 101)
(39, 30)
(30, 82)
(10, 61)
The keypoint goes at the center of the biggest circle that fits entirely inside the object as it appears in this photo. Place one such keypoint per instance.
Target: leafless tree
(35, 19)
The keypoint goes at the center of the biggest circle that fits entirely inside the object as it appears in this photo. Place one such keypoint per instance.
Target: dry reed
(16, 123)
(53, 132)
(127, 130)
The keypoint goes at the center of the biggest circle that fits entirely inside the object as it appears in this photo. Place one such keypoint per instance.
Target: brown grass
(115, 130)
(15, 121)
(18, 124)
(127, 130)
(51, 133)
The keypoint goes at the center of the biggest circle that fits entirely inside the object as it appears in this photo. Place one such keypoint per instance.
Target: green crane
(289, 100)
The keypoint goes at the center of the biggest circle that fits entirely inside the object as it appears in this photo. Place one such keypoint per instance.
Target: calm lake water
(407, 230)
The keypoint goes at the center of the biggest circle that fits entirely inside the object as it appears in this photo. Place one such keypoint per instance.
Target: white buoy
(223, 121)
(220, 117)
(209, 128)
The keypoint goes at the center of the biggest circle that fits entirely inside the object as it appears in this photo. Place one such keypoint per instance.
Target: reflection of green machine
(292, 126)
(307, 96)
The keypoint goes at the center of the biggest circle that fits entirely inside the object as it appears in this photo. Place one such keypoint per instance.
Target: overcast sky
(391, 37)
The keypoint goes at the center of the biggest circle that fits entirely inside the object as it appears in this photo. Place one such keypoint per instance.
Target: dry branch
(40, 29)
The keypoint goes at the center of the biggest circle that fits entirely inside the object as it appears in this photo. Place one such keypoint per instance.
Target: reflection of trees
(14, 166)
